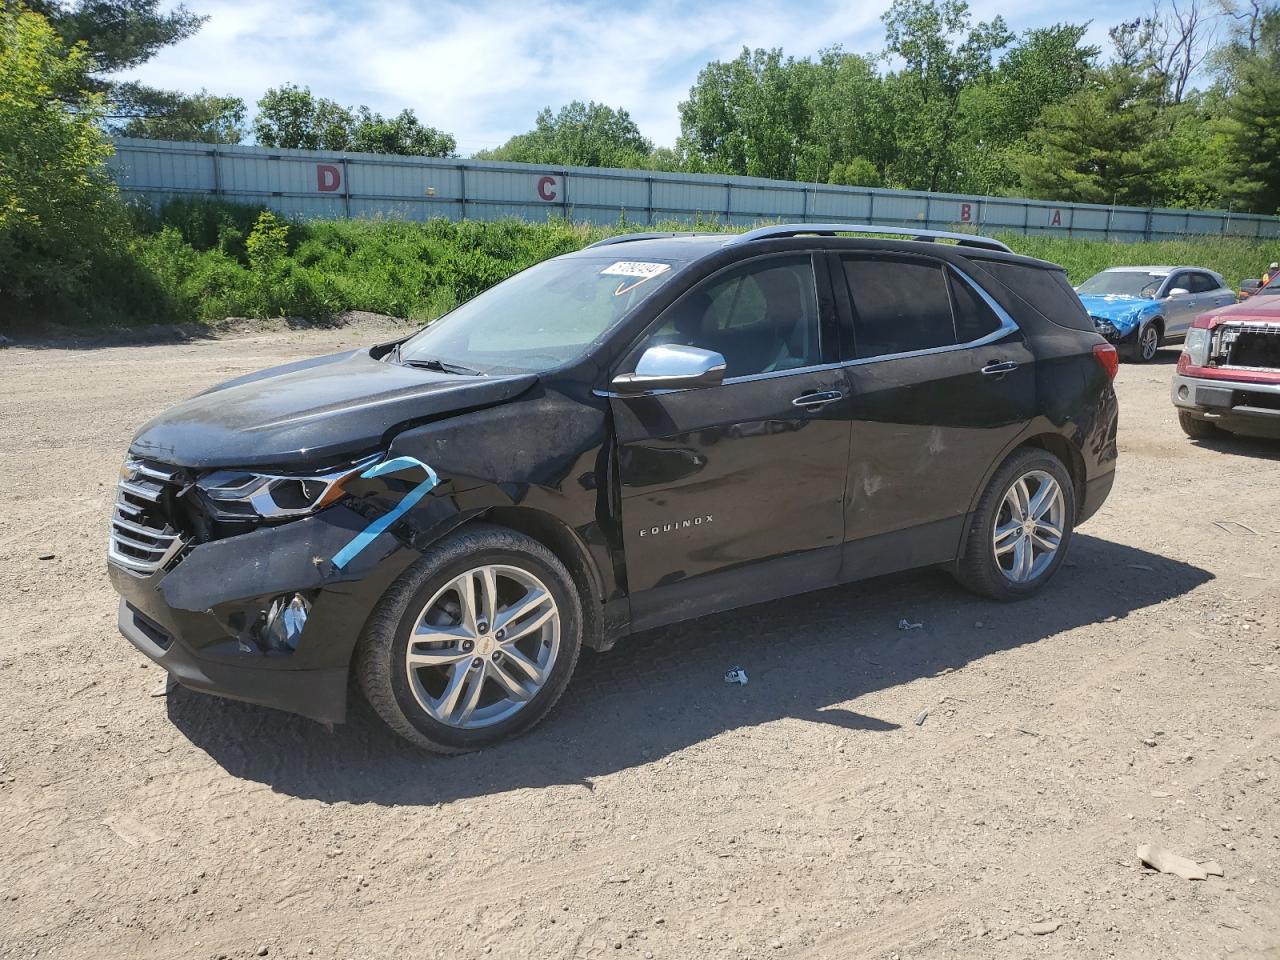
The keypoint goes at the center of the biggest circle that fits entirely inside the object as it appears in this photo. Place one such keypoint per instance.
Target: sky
(482, 70)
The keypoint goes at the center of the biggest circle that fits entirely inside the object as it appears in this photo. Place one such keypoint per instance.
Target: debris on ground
(905, 624)
(921, 717)
(1168, 862)
(736, 675)
(1213, 868)
(1046, 927)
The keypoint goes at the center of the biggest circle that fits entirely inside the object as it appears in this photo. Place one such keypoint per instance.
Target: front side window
(540, 318)
(1202, 283)
(761, 317)
(903, 306)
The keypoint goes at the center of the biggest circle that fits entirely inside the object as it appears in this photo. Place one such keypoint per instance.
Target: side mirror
(672, 367)
(1179, 292)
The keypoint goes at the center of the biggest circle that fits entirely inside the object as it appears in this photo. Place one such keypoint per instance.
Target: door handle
(999, 368)
(813, 401)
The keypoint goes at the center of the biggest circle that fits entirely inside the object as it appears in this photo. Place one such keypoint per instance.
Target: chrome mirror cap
(672, 367)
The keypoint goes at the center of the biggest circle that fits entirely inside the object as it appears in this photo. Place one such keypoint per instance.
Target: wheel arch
(1050, 442)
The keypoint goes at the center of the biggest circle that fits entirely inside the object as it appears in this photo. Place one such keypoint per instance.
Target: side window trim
(1007, 324)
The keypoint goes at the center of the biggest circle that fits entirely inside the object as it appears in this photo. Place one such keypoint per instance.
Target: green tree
(403, 134)
(941, 54)
(201, 117)
(749, 116)
(120, 34)
(857, 172)
(58, 207)
(850, 136)
(579, 134)
(1103, 144)
(292, 118)
(1252, 123)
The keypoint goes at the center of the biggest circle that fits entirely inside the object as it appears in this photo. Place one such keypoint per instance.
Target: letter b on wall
(328, 177)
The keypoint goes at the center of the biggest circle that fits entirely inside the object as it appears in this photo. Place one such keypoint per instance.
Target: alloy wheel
(1028, 527)
(1150, 343)
(483, 646)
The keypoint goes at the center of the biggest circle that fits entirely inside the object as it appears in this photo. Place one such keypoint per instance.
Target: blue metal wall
(309, 184)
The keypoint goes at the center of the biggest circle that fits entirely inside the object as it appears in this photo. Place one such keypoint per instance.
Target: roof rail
(831, 229)
(653, 235)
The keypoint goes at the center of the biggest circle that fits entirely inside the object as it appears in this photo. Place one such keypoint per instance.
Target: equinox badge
(675, 525)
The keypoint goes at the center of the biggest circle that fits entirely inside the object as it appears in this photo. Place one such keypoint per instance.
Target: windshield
(541, 317)
(1124, 283)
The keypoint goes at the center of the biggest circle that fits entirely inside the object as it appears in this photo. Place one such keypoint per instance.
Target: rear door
(941, 381)
(733, 494)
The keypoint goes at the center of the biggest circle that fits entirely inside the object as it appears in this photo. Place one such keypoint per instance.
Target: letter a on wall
(328, 177)
(1056, 219)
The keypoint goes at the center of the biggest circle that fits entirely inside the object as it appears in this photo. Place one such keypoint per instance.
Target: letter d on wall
(328, 177)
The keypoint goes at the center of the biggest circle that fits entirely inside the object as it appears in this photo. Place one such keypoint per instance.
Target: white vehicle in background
(1139, 308)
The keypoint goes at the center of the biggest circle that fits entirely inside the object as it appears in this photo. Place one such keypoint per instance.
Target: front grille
(1248, 346)
(142, 539)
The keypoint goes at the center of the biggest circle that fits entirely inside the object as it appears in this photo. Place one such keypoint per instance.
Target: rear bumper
(1096, 492)
(1233, 404)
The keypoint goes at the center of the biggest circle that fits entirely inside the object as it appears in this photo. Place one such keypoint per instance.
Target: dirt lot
(661, 812)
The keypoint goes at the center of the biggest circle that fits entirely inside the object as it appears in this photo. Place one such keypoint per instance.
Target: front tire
(1021, 529)
(1198, 429)
(474, 643)
(1147, 345)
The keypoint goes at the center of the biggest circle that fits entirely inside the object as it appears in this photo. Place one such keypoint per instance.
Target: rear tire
(1006, 551)
(474, 643)
(1198, 429)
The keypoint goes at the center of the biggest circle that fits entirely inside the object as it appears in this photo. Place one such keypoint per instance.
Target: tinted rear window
(1046, 290)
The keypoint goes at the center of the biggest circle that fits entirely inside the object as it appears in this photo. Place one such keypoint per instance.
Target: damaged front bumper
(204, 619)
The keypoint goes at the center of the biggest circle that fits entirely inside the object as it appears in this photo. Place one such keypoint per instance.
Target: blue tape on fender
(379, 526)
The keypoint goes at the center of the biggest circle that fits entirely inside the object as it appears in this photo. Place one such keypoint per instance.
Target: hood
(1122, 312)
(312, 413)
(1257, 309)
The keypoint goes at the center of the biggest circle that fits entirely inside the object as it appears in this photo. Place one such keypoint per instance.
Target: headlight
(244, 495)
(1197, 346)
(1105, 328)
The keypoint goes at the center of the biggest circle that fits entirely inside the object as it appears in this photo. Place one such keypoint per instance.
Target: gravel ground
(816, 812)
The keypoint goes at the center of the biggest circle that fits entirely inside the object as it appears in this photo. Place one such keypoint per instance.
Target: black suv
(654, 428)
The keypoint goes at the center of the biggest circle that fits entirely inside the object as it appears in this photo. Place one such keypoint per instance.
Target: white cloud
(483, 69)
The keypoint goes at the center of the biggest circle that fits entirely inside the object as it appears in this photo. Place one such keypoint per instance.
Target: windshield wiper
(431, 363)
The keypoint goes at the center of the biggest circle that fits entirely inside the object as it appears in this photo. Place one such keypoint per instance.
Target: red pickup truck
(1228, 377)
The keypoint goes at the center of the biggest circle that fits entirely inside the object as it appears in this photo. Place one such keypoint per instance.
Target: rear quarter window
(1048, 291)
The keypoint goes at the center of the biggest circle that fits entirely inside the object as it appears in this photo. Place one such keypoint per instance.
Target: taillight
(1106, 355)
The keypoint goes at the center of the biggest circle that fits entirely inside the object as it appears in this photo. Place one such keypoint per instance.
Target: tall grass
(200, 261)
(1236, 259)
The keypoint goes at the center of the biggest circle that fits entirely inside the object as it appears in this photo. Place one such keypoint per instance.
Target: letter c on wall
(547, 188)
(328, 177)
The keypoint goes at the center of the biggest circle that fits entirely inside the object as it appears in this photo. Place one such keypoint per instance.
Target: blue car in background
(1139, 308)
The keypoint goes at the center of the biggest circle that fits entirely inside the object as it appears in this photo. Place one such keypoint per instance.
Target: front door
(941, 381)
(734, 493)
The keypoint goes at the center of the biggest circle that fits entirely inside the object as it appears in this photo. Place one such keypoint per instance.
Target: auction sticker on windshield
(633, 268)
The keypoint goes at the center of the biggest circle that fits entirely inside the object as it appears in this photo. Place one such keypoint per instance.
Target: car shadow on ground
(663, 690)
(1235, 445)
